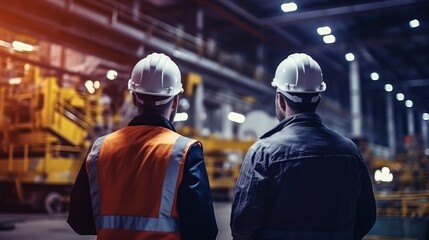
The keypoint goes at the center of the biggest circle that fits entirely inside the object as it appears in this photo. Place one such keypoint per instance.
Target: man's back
(313, 180)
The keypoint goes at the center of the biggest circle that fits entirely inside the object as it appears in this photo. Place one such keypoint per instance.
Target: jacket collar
(151, 120)
(297, 118)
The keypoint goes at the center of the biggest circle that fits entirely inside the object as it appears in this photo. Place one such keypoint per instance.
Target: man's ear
(134, 99)
(281, 102)
(175, 102)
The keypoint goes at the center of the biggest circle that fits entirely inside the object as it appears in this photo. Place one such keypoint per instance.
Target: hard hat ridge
(156, 75)
(298, 73)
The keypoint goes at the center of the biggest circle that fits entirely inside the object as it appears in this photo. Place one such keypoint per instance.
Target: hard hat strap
(297, 99)
(156, 103)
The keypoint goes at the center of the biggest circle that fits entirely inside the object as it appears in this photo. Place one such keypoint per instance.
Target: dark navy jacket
(194, 202)
(303, 181)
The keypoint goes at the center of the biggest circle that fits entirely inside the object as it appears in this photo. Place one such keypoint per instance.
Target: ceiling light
(400, 97)
(350, 57)
(425, 116)
(414, 23)
(111, 74)
(388, 87)
(375, 76)
(289, 7)
(180, 117)
(97, 84)
(20, 46)
(236, 117)
(323, 30)
(329, 39)
(408, 103)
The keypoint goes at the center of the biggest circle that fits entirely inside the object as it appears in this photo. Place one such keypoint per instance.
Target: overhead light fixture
(89, 85)
(21, 46)
(374, 76)
(97, 84)
(112, 74)
(400, 96)
(236, 117)
(350, 57)
(388, 87)
(289, 7)
(180, 117)
(324, 30)
(408, 103)
(5, 44)
(425, 116)
(414, 23)
(15, 81)
(328, 39)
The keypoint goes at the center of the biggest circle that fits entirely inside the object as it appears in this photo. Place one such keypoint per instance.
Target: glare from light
(350, 57)
(324, 30)
(400, 96)
(89, 85)
(5, 44)
(414, 23)
(236, 117)
(374, 76)
(408, 103)
(20, 46)
(184, 104)
(383, 175)
(427, 152)
(15, 81)
(97, 84)
(388, 87)
(328, 39)
(203, 116)
(180, 117)
(112, 74)
(289, 7)
(425, 116)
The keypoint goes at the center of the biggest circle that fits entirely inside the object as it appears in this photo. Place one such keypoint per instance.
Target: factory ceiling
(240, 43)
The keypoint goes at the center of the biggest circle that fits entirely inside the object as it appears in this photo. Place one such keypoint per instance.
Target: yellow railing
(403, 204)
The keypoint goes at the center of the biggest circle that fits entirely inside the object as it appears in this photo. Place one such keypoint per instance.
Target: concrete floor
(36, 226)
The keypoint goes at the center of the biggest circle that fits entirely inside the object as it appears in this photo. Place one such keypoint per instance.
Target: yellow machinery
(45, 132)
(223, 159)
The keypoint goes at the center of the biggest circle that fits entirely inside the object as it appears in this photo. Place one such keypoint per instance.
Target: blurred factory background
(64, 65)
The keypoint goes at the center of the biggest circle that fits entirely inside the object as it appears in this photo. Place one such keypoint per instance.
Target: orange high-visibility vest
(134, 174)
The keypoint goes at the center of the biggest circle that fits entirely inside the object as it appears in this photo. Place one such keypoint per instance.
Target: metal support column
(410, 122)
(425, 133)
(391, 133)
(227, 125)
(355, 98)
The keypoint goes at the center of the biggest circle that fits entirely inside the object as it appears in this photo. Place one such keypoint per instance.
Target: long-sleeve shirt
(303, 181)
(196, 215)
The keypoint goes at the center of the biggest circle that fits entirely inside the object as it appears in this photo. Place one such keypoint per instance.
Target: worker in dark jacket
(145, 181)
(301, 180)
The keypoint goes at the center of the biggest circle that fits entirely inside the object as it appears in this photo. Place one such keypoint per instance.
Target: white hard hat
(156, 75)
(299, 73)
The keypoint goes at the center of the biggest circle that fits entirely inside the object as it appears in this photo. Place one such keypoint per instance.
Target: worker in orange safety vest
(145, 181)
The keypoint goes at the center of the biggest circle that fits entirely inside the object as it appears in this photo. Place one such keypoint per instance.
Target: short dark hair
(149, 103)
(301, 107)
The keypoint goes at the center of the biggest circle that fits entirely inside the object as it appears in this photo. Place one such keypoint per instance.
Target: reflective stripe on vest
(286, 235)
(165, 222)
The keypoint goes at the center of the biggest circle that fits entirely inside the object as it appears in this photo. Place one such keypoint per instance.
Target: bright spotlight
(324, 30)
(408, 103)
(180, 117)
(328, 39)
(350, 57)
(400, 96)
(414, 23)
(112, 74)
(425, 116)
(289, 7)
(374, 76)
(388, 87)
(236, 117)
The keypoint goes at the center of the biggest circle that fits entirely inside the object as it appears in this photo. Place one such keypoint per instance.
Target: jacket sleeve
(366, 210)
(248, 207)
(196, 215)
(80, 216)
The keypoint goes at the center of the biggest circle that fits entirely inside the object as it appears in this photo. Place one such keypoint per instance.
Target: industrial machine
(45, 131)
